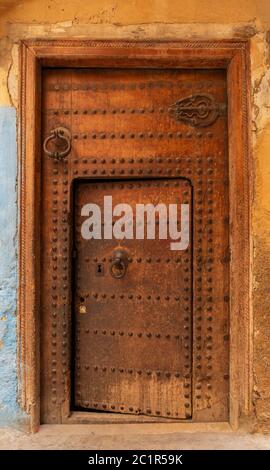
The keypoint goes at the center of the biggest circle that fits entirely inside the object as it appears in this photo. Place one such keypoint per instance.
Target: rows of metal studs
(143, 372)
(187, 333)
(144, 334)
(59, 285)
(148, 184)
(130, 409)
(100, 135)
(140, 171)
(139, 260)
(118, 86)
(122, 296)
(197, 172)
(138, 184)
(104, 112)
(203, 303)
(146, 160)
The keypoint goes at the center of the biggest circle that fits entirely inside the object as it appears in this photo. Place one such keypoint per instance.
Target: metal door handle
(119, 264)
(63, 134)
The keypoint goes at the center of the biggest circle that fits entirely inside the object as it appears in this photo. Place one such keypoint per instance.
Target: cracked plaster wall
(140, 19)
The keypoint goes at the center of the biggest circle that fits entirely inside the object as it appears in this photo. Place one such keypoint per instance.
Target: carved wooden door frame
(232, 55)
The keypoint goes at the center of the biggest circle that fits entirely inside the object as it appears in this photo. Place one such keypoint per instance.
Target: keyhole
(99, 270)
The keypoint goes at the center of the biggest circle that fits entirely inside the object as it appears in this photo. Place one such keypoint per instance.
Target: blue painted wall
(9, 410)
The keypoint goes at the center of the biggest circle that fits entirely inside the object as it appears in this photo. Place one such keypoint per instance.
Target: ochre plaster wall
(166, 19)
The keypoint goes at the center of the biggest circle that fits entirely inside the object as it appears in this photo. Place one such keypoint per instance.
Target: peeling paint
(8, 265)
(260, 83)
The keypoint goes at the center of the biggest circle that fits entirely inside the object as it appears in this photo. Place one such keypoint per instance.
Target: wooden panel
(133, 342)
(121, 126)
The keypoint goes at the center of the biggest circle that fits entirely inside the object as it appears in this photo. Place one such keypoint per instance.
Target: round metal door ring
(60, 133)
(119, 263)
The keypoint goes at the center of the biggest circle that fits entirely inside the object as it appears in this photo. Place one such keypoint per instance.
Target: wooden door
(133, 320)
(135, 127)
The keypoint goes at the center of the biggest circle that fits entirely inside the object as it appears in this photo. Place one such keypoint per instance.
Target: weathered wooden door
(155, 340)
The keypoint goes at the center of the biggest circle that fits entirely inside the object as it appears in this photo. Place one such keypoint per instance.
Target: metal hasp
(197, 110)
(62, 136)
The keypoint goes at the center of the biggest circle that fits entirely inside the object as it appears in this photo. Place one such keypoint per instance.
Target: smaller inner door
(132, 303)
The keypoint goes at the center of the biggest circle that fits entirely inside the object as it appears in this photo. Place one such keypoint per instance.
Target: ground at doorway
(131, 436)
